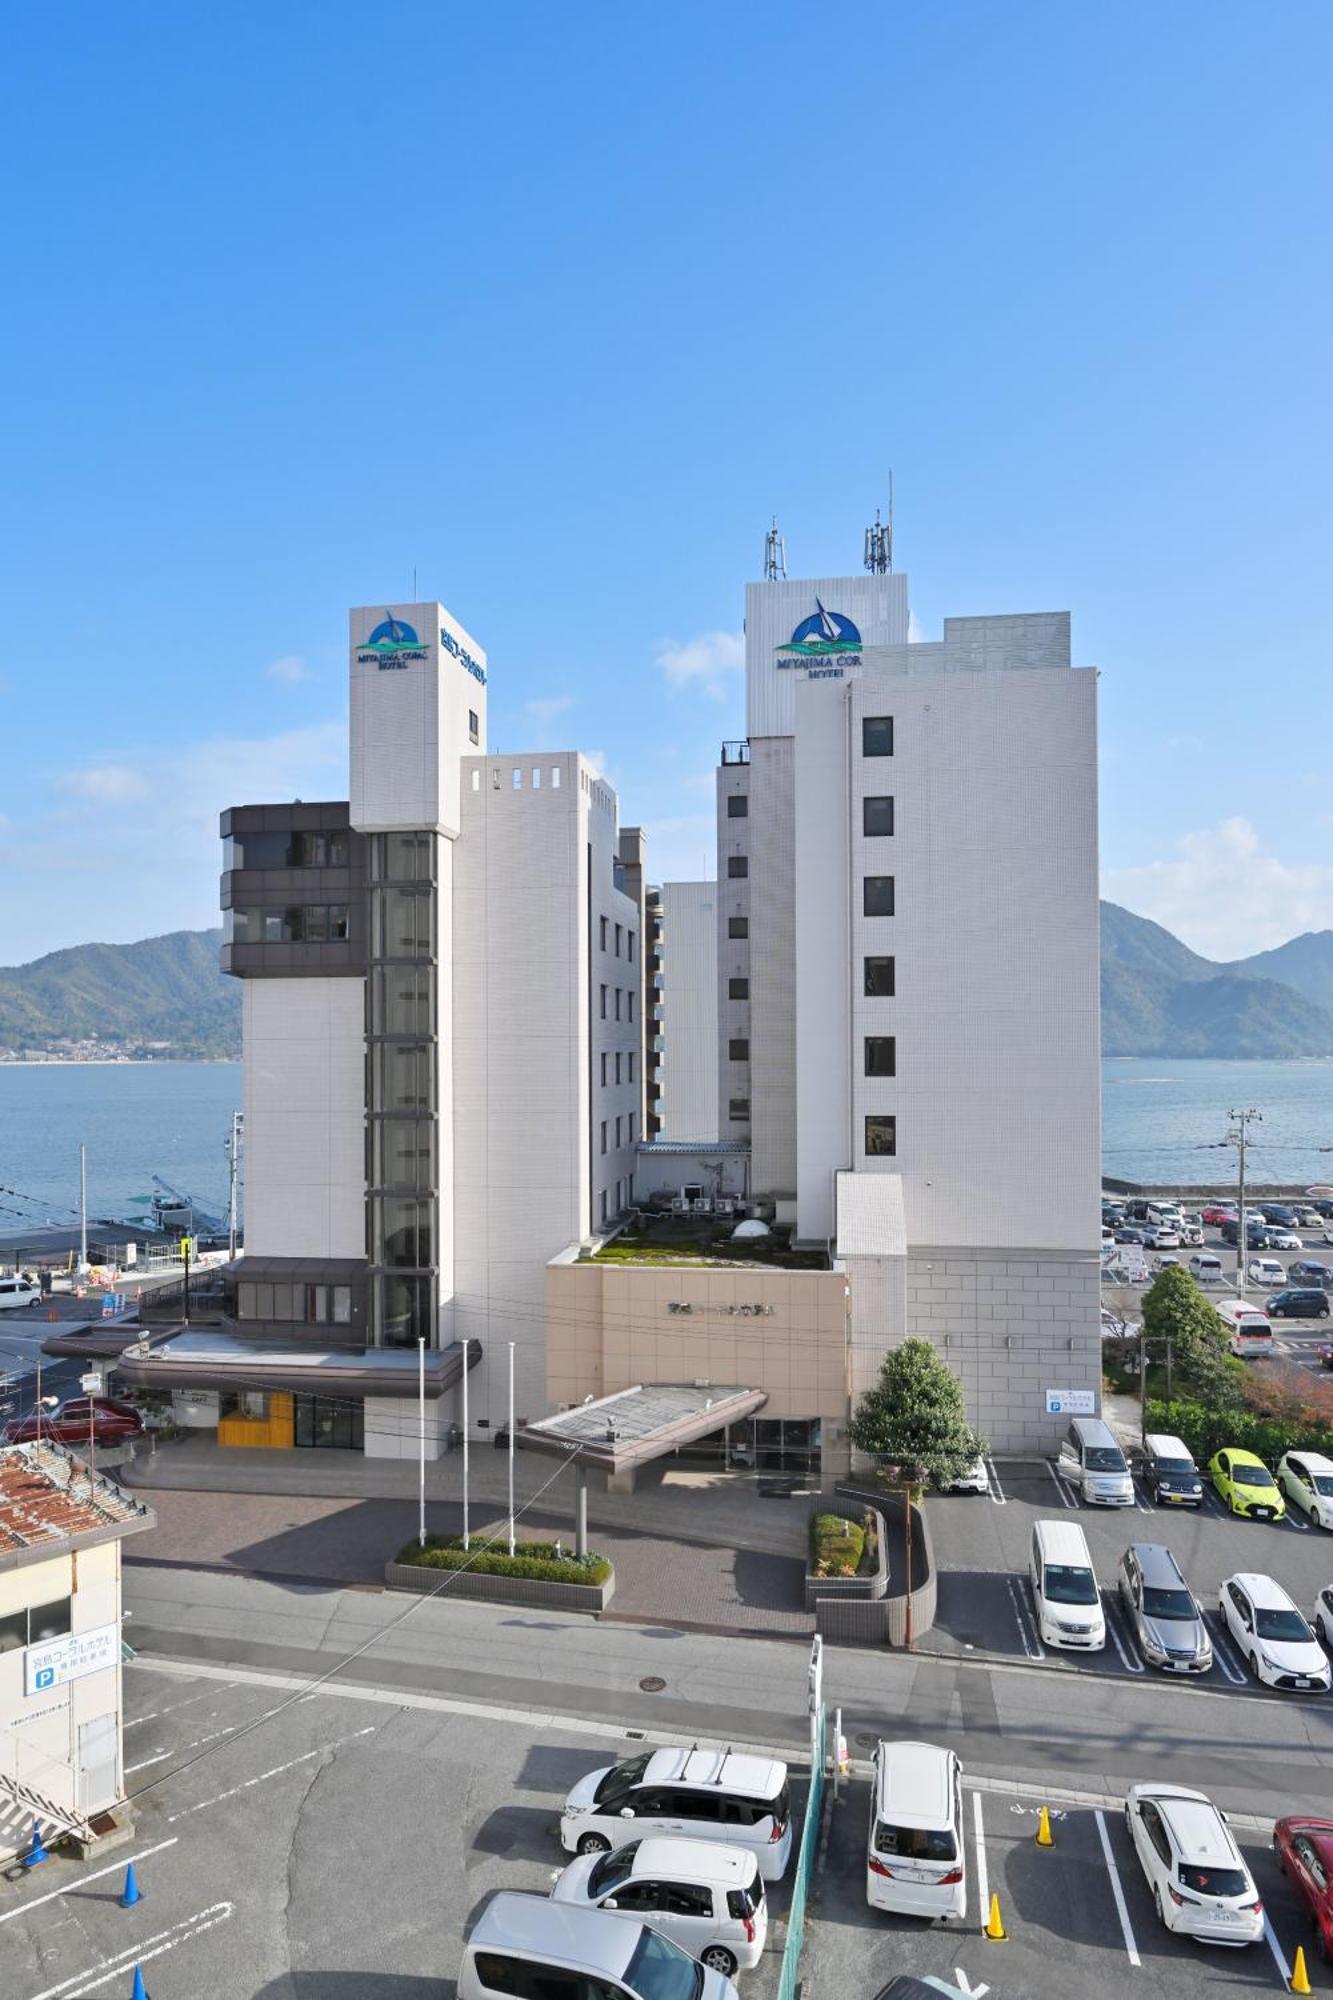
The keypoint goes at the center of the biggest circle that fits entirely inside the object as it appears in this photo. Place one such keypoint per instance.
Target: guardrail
(805, 1861)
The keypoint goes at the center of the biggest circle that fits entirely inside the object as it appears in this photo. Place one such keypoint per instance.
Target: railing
(736, 753)
(805, 1862)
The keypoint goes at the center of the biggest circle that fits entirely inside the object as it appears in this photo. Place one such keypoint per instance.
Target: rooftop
(634, 1426)
(49, 1504)
(706, 1240)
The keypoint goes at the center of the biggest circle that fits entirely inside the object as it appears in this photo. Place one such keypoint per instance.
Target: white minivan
(1205, 1269)
(18, 1292)
(1065, 1596)
(1091, 1460)
(1249, 1332)
(915, 1860)
(700, 1794)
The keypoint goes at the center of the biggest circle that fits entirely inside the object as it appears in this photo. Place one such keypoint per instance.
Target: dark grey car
(1162, 1613)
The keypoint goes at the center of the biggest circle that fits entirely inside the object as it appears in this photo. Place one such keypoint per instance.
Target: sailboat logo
(824, 633)
(392, 635)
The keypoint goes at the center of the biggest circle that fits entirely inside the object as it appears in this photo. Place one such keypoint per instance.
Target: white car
(1266, 1271)
(971, 1480)
(1283, 1239)
(1271, 1634)
(1197, 1874)
(705, 1896)
(1323, 1615)
(524, 1944)
(701, 1794)
(1306, 1478)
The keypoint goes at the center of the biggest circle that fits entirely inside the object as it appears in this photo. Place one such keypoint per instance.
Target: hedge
(837, 1545)
(1206, 1431)
(539, 1562)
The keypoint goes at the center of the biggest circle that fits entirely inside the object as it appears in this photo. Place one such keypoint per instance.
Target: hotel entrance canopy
(634, 1426)
(208, 1358)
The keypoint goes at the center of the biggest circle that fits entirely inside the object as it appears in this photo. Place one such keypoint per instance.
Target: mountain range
(166, 997)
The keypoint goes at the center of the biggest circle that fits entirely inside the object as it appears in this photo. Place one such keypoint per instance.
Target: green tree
(915, 1416)
(1175, 1310)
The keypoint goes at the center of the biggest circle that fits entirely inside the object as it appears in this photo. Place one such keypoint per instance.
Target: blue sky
(558, 306)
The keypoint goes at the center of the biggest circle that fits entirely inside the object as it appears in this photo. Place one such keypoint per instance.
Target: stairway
(20, 1806)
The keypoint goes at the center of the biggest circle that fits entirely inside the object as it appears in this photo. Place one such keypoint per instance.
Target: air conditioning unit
(725, 1204)
(703, 1206)
(679, 1205)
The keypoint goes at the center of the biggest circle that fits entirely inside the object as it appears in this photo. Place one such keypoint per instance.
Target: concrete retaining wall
(530, 1592)
(852, 1589)
(883, 1622)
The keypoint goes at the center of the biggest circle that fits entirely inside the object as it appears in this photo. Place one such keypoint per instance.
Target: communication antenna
(879, 541)
(775, 554)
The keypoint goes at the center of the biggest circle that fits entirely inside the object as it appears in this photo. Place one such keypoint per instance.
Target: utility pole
(83, 1211)
(233, 1175)
(1239, 1138)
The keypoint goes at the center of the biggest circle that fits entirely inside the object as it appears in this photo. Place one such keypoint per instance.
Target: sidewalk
(717, 1510)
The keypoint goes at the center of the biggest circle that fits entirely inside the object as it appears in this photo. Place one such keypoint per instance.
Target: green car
(1244, 1482)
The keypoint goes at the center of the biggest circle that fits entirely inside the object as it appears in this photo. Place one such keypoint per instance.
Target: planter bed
(487, 1574)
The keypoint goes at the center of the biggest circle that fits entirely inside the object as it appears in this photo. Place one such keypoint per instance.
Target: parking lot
(981, 1549)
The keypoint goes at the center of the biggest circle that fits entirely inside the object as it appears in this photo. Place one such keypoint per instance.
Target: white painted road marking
(964, 1985)
(52, 1895)
(996, 1490)
(1125, 1647)
(1060, 1486)
(124, 1962)
(1222, 1652)
(276, 1772)
(1126, 1929)
(1284, 1970)
(983, 1879)
(1032, 1645)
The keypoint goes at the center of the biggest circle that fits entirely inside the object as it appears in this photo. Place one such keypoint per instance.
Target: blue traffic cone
(36, 1852)
(131, 1893)
(138, 1991)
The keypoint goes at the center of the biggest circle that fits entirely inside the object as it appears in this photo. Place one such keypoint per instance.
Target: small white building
(60, 1645)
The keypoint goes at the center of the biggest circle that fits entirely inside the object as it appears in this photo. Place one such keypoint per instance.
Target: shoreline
(117, 1062)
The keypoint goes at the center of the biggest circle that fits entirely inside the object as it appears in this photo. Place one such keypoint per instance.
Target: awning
(635, 1426)
(206, 1358)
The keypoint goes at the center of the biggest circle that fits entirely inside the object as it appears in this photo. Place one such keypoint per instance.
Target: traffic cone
(131, 1893)
(994, 1928)
(138, 1991)
(36, 1853)
(1045, 1838)
(1300, 1978)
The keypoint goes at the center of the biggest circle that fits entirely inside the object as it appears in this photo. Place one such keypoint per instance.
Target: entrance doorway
(332, 1426)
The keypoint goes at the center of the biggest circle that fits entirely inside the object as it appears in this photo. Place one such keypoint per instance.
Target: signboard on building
(1071, 1402)
(196, 1409)
(69, 1659)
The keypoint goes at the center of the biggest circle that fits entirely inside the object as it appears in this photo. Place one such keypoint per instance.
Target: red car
(112, 1423)
(1214, 1214)
(1305, 1855)
(1325, 1354)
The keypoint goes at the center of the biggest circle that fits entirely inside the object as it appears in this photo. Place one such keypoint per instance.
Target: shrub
(838, 1546)
(539, 1562)
(1206, 1431)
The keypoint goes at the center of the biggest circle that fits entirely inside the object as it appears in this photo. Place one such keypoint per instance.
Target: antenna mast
(775, 554)
(879, 541)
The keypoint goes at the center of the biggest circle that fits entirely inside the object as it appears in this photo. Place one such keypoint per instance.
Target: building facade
(685, 1013)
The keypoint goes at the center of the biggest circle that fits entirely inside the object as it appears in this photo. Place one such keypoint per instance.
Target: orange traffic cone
(995, 1930)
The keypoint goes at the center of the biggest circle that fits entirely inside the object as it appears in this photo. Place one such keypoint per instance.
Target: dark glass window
(878, 895)
(877, 736)
(881, 1135)
(402, 1152)
(879, 978)
(738, 989)
(738, 866)
(739, 1107)
(738, 927)
(876, 817)
(402, 857)
(403, 1309)
(738, 1049)
(402, 1000)
(402, 922)
(630, 1060)
(881, 1055)
(604, 999)
(474, 725)
(402, 1231)
(738, 805)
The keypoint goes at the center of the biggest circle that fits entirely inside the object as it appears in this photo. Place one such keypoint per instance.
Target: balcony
(736, 753)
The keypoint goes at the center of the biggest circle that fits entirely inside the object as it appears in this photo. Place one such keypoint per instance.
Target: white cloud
(916, 631)
(539, 717)
(705, 662)
(682, 849)
(547, 709)
(1223, 896)
(289, 667)
(104, 784)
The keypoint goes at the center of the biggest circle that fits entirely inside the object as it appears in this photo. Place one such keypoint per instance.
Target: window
(476, 781)
(879, 979)
(474, 732)
(617, 1003)
(738, 989)
(738, 927)
(877, 891)
(619, 1203)
(629, 1134)
(603, 1003)
(738, 806)
(402, 1154)
(619, 1122)
(603, 1200)
(617, 1065)
(629, 1006)
(401, 1000)
(402, 1076)
(629, 1063)
(402, 923)
(881, 1055)
(516, 778)
(876, 817)
(877, 736)
(402, 1231)
(35, 1625)
(739, 1108)
(603, 1067)
(620, 932)
(881, 1136)
(603, 1135)
(738, 1049)
(536, 777)
(604, 922)
(555, 777)
(738, 867)
(629, 946)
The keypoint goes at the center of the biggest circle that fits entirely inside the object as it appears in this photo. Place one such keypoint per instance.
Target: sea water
(1167, 1121)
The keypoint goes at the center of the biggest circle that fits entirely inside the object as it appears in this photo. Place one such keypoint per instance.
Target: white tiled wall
(304, 1044)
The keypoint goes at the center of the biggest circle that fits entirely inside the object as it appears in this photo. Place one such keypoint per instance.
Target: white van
(18, 1292)
(1091, 1460)
(1065, 1596)
(702, 1794)
(915, 1860)
(1165, 1214)
(705, 1896)
(1205, 1269)
(1249, 1332)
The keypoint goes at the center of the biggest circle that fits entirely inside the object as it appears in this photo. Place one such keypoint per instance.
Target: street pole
(83, 1210)
(908, 1633)
(185, 1254)
(466, 1351)
(421, 1440)
(511, 1447)
(1238, 1139)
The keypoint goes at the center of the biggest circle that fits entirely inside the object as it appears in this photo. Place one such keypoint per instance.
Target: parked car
(1218, 1212)
(18, 1293)
(1130, 1232)
(1284, 1239)
(1297, 1303)
(1169, 1472)
(532, 1945)
(1278, 1645)
(706, 1897)
(1162, 1613)
(112, 1423)
(1265, 1271)
(972, 1479)
(1161, 1236)
(1325, 1354)
(701, 1794)
(1246, 1485)
(1280, 1213)
(1197, 1874)
(1302, 1271)
(1305, 1856)
(1323, 1615)
(1256, 1232)
(1306, 1477)
(915, 1855)
(1205, 1269)
(1309, 1218)
(1064, 1589)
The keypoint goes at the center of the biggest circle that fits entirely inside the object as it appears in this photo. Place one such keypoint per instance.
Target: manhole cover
(652, 1684)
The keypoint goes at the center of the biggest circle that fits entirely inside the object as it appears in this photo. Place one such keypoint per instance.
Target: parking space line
(1031, 1639)
(983, 1878)
(1284, 1970)
(1060, 1486)
(321, 1750)
(1126, 1928)
(1125, 1647)
(52, 1895)
(997, 1493)
(116, 1968)
(1222, 1652)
